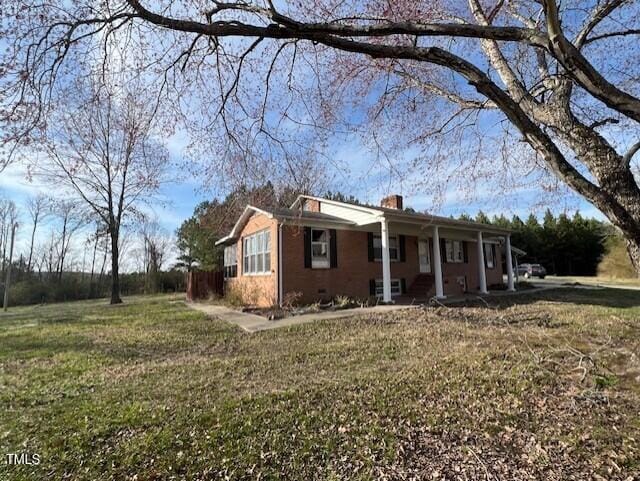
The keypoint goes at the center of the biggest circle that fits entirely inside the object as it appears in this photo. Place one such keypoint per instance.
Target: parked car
(531, 270)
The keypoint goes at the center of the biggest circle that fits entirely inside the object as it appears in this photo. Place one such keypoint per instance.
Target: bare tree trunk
(5, 238)
(115, 276)
(7, 282)
(33, 235)
(62, 249)
(93, 266)
(633, 248)
(104, 262)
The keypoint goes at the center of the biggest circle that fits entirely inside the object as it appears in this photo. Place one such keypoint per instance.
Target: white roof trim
(360, 208)
(404, 217)
(249, 210)
(222, 240)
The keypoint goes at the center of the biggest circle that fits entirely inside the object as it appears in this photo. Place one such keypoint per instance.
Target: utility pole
(8, 278)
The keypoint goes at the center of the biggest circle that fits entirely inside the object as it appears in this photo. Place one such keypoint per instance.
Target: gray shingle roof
(285, 213)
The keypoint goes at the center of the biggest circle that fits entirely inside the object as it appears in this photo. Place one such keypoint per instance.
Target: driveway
(583, 282)
(254, 323)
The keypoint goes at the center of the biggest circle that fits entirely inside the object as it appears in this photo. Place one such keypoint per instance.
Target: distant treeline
(33, 288)
(564, 245)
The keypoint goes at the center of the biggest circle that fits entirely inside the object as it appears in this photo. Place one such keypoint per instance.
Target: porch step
(422, 284)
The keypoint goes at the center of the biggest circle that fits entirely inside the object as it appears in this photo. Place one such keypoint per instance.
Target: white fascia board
(446, 223)
(297, 201)
(223, 240)
(249, 210)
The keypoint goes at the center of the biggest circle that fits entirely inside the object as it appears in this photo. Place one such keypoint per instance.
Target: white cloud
(15, 185)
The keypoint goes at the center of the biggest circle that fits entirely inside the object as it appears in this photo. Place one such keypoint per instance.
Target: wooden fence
(201, 285)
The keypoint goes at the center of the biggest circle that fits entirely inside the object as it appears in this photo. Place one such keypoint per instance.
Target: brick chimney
(392, 202)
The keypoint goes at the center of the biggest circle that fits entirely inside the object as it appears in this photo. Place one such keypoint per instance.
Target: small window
(230, 261)
(319, 248)
(394, 252)
(396, 287)
(454, 251)
(257, 253)
(489, 256)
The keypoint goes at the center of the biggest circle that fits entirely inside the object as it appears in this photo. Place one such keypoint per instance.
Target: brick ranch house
(321, 248)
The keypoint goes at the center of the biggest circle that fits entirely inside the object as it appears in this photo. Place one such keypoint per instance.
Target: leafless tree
(37, 207)
(8, 217)
(94, 241)
(71, 218)
(156, 245)
(562, 79)
(102, 153)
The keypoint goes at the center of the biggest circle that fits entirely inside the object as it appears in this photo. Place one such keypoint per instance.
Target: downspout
(280, 288)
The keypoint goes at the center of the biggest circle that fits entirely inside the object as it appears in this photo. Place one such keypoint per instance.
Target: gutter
(280, 284)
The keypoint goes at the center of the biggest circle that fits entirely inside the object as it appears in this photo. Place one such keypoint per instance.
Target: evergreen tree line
(565, 245)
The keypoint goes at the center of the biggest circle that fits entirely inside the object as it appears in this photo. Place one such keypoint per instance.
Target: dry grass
(547, 389)
(601, 279)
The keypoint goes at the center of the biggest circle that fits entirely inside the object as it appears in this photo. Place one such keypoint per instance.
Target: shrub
(291, 300)
(233, 296)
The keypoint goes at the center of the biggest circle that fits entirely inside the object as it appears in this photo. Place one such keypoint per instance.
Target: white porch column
(510, 286)
(482, 275)
(437, 263)
(386, 262)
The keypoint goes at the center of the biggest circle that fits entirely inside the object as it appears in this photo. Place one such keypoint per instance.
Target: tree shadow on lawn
(604, 297)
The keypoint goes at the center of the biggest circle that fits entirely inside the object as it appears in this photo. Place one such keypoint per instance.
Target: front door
(423, 256)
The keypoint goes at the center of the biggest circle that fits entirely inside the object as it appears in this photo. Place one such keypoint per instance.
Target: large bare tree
(101, 151)
(563, 79)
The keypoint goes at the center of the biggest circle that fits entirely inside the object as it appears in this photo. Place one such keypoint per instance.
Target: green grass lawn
(151, 390)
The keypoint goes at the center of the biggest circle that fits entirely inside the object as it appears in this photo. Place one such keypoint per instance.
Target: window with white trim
(489, 256)
(394, 252)
(396, 287)
(454, 251)
(256, 253)
(231, 261)
(320, 248)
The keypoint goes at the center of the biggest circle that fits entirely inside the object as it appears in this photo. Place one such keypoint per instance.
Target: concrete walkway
(254, 323)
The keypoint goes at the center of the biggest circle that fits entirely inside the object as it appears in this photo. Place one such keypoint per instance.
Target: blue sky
(179, 197)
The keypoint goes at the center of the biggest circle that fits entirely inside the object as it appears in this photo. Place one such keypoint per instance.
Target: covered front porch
(452, 256)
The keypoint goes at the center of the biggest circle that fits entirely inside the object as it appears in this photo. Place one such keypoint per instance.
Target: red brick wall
(451, 271)
(351, 277)
(312, 205)
(494, 276)
(257, 290)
